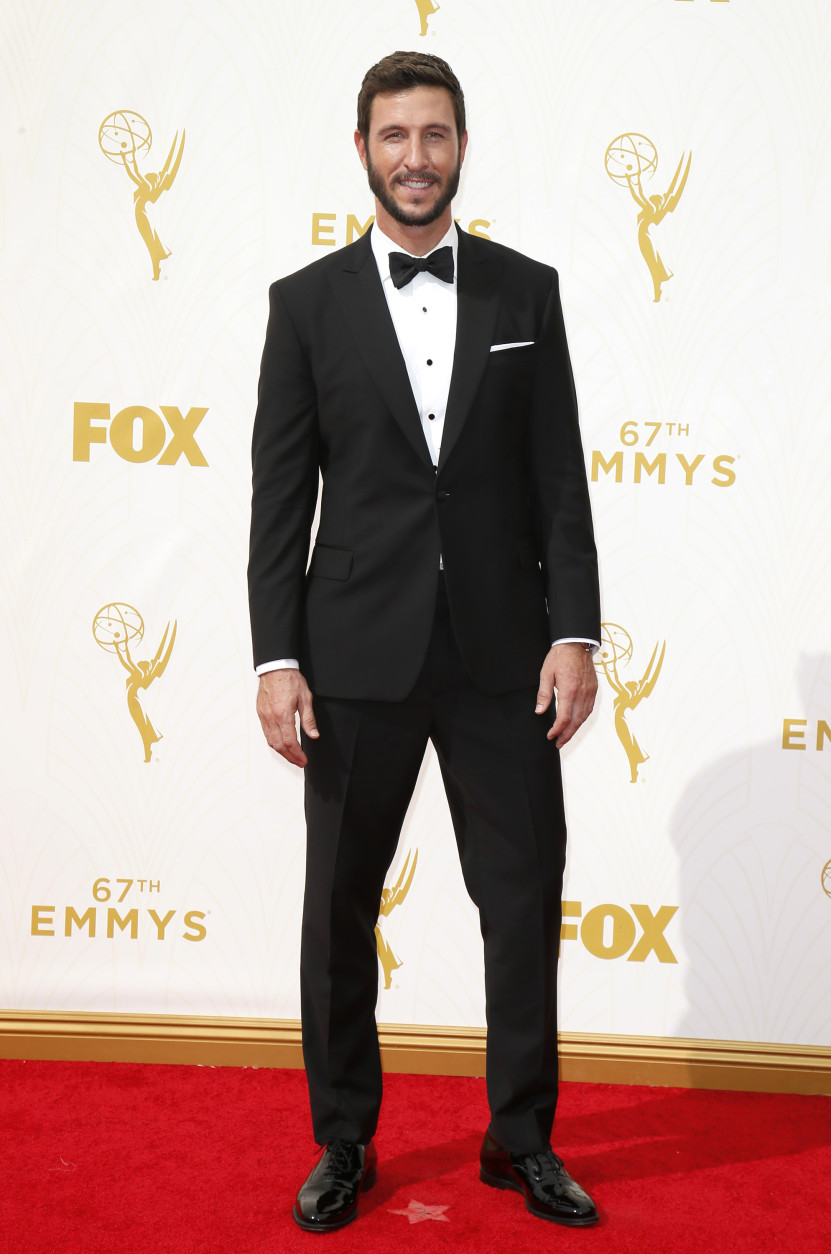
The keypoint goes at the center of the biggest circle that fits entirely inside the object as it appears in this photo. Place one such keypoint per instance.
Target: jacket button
(442, 496)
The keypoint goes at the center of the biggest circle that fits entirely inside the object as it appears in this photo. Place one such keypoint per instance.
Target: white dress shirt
(423, 313)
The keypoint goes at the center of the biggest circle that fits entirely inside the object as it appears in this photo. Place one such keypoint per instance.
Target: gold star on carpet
(417, 1212)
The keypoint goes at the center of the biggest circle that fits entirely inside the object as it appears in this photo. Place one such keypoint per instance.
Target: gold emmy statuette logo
(630, 159)
(426, 9)
(826, 879)
(616, 650)
(123, 137)
(390, 898)
(114, 627)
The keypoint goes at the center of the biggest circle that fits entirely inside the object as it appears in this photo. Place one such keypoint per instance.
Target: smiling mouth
(416, 185)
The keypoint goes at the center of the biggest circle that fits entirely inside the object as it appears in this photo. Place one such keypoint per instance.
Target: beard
(412, 217)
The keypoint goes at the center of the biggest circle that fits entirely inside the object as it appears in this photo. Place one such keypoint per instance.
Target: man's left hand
(569, 669)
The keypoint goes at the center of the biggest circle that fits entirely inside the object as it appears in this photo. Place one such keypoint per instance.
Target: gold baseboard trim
(682, 1063)
(740, 1066)
(208, 1042)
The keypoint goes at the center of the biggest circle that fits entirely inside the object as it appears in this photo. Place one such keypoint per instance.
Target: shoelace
(340, 1158)
(546, 1165)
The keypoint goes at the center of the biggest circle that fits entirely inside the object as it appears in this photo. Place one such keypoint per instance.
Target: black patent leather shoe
(550, 1193)
(329, 1198)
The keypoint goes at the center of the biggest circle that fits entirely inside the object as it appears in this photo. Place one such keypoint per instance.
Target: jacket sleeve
(285, 477)
(565, 536)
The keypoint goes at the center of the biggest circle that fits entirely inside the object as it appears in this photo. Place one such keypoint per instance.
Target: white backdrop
(695, 899)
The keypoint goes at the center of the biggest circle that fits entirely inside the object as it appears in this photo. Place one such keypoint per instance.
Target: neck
(417, 240)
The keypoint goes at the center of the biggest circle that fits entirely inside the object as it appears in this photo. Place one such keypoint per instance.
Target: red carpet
(117, 1159)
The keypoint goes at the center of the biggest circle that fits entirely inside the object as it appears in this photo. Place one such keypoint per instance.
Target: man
(425, 375)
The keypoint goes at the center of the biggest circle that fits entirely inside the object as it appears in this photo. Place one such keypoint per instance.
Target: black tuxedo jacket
(507, 507)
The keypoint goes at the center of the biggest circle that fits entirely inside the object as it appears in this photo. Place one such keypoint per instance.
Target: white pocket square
(499, 348)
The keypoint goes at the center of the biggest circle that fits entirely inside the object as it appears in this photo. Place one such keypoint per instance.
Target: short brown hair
(401, 71)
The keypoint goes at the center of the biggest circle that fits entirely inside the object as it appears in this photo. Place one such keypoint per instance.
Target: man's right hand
(282, 695)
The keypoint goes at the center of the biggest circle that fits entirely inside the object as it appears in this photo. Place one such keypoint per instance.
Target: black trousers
(503, 785)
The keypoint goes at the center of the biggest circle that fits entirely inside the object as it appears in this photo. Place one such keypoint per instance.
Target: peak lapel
(358, 290)
(478, 295)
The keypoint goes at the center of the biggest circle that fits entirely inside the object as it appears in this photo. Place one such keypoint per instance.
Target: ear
(361, 147)
(462, 147)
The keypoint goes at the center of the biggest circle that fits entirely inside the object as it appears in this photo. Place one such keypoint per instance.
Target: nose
(416, 158)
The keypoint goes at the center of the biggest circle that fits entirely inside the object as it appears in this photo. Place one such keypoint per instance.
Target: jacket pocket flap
(331, 563)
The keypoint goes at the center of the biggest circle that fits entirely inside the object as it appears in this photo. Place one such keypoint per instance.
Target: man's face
(413, 157)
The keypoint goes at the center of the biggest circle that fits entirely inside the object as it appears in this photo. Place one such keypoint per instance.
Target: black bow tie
(404, 268)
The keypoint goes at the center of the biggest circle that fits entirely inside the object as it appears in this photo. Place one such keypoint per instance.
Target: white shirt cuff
(595, 644)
